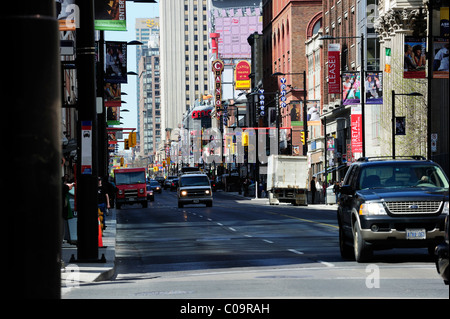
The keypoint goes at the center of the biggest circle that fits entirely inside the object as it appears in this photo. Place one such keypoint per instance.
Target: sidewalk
(263, 199)
(75, 273)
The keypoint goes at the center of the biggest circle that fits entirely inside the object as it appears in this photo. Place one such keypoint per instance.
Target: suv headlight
(207, 192)
(372, 209)
(445, 209)
(183, 193)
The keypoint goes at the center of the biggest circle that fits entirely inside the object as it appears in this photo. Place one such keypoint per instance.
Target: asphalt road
(242, 248)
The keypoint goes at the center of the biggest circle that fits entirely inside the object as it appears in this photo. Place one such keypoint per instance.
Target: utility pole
(31, 182)
(87, 163)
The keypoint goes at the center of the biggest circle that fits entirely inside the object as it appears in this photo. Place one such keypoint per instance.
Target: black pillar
(87, 175)
(31, 184)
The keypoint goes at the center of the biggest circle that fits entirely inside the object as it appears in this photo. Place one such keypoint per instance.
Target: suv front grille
(413, 208)
(196, 193)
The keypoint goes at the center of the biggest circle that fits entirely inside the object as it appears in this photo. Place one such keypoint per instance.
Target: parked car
(442, 255)
(155, 186)
(194, 189)
(150, 193)
(388, 203)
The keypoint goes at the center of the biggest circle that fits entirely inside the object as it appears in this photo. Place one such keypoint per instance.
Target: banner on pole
(334, 68)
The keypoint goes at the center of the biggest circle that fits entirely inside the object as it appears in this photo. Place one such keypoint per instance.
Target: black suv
(386, 203)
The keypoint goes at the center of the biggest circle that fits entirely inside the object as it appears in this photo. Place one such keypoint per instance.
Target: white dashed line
(295, 251)
(231, 228)
(326, 263)
(268, 241)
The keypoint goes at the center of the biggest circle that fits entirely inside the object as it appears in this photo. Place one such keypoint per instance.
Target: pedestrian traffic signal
(302, 137)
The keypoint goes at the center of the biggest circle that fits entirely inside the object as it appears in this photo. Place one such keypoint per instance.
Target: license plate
(195, 201)
(416, 234)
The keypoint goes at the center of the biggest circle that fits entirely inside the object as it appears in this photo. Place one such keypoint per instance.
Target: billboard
(116, 62)
(234, 26)
(440, 58)
(351, 88)
(110, 15)
(414, 65)
(374, 87)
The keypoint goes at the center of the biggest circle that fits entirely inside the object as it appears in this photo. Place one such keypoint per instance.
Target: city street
(242, 248)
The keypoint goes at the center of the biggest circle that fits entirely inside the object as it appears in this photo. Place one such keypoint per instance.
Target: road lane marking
(304, 220)
(249, 236)
(268, 241)
(326, 263)
(295, 251)
(219, 224)
(231, 228)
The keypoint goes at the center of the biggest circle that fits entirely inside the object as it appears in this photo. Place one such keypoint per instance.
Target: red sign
(217, 66)
(200, 114)
(356, 129)
(334, 69)
(241, 75)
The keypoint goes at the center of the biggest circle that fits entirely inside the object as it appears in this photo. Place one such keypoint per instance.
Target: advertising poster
(112, 99)
(374, 87)
(440, 58)
(86, 147)
(296, 113)
(116, 62)
(400, 125)
(414, 66)
(334, 68)
(356, 129)
(110, 15)
(351, 88)
(444, 22)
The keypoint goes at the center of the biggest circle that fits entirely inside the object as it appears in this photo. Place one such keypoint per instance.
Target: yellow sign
(241, 74)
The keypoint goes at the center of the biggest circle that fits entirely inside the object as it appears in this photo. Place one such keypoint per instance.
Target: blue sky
(134, 10)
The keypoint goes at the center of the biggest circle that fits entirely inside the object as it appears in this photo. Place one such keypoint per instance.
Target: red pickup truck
(131, 186)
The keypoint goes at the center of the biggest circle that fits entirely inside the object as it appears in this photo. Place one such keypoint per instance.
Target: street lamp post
(393, 116)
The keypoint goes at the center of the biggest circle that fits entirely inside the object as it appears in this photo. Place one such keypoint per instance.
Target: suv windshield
(394, 175)
(130, 178)
(194, 181)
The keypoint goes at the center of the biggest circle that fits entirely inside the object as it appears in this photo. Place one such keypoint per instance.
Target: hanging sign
(334, 68)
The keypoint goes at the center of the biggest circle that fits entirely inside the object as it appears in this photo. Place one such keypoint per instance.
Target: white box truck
(287, 179)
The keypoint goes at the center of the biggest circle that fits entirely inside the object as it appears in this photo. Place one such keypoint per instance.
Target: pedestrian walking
(336, 190)
(313, 189)
(103, 199)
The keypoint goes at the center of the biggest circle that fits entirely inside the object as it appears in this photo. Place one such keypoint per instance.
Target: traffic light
(121, 162)
(244, 139)
(302, 137)
(132, 139)
(127, 144)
